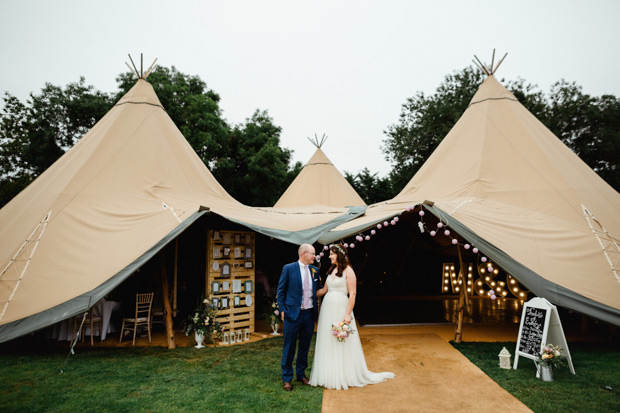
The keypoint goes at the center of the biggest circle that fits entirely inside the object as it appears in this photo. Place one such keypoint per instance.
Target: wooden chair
(90, 322)
(142, 316)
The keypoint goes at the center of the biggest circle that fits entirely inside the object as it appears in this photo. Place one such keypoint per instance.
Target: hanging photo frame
(248, 252)
(225, 286)
(217, 252)
(247, 239)
(226, 238)
(224, 302)
(226, 253)
(216, 235)
(249, 264)
(236, 286)
(237, 238)
(216, 302)
(215, 287)
(248, 300)
(225, 270)
(237, 301)
(248, 286)
(237, 252)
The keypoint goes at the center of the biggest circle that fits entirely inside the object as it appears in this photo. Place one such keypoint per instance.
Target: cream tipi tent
(125, 190)
(327, 184)
(510, 187)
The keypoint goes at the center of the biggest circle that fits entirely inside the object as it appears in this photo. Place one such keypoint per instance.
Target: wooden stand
(230, 280)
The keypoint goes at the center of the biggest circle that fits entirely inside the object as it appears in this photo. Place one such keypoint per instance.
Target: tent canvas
(505, 183)
(329, 186)
(127, 188)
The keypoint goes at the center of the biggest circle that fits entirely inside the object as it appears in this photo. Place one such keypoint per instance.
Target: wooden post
(174, 282)
(167, 308)
(463, 301)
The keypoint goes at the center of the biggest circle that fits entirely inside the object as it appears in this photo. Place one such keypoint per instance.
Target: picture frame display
(225, 286)
(237, 238)
(237, 300)
(225, 269)
(217, 252)
(248, 264)
(215, 287)
(226, 252)
(248, 252)
(248, 300)
(248, 286)
(224, 302)
(237, 252)
(247, 240)
(236, 286)
(226, 238)
(216, 235)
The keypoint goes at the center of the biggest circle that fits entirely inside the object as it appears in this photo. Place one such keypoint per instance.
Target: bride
(338, 365)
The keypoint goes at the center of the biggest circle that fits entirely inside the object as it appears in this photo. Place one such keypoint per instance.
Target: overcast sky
(340, 68)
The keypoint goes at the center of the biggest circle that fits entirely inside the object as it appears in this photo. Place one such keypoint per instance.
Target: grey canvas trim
(309, 236)
(553, 292)
(83, 302)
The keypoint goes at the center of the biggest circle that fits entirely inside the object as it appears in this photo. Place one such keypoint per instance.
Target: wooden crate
(230, 277)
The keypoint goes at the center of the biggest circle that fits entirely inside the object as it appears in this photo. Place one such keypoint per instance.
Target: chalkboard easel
(540, 324)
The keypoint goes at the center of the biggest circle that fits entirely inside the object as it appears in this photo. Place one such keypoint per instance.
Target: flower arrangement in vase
(550, 356)
(272, 317)
(203, 323)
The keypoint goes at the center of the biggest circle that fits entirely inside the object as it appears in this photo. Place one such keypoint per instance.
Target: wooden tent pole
(463, 301)
(174, 282)
(167, 309)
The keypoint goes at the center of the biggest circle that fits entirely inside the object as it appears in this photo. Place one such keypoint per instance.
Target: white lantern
(504, 359)
(226, 338)
(246, 334)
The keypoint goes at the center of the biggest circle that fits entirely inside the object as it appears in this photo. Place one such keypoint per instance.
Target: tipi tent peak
(319, 183)
(489, 70)
(134, 69)
(316, 141)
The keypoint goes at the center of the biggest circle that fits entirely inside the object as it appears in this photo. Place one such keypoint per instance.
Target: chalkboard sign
(540, 324)
(531, 334)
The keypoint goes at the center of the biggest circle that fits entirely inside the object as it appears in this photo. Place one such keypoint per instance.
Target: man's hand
(282, 314)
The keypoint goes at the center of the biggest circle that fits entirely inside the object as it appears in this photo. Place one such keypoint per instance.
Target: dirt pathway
(431, 376)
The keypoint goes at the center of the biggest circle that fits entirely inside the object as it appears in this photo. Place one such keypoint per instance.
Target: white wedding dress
(339, 365)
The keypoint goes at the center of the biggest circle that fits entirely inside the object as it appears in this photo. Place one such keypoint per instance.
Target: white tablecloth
(63, 331)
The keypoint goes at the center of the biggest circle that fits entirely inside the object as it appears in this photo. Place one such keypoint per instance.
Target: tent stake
(167, 309)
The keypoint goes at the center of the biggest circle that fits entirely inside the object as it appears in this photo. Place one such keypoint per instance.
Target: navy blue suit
(297, 323)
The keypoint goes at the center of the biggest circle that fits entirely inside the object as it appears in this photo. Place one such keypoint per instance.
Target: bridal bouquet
(341, 331)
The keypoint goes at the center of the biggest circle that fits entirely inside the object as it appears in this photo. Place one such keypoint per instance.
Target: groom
(297, 288)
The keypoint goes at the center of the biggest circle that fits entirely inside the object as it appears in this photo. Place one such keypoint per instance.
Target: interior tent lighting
(515, 289)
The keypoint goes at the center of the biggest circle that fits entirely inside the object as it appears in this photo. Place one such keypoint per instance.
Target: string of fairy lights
(486, 285)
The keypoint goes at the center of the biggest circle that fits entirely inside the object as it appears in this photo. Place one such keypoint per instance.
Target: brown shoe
(303, 381)
(287, 386)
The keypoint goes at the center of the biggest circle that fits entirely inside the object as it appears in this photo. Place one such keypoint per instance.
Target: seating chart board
(230, 277)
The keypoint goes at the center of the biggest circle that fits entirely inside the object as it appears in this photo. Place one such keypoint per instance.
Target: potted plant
(550, 356)
(272, 317)
(203, 323)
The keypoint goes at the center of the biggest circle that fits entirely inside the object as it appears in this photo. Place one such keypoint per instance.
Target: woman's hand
(347, 319)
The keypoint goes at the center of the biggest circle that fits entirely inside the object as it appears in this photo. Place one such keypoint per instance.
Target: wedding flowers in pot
(272, 314)
(203, 321)
(341, 331)
(551, 356)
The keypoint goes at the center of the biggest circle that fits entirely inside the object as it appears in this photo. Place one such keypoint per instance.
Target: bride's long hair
(342, 260)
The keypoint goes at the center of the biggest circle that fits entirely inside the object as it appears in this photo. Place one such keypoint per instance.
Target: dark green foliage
(593, 389)
(425, 121)
(371, 188)
(33, 135)
(254, 169)
(237, 378)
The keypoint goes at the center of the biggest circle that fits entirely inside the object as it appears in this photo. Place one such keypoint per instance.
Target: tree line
(248, 159)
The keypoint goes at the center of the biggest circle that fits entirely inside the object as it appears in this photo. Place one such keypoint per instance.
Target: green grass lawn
(594, 388)
(242, 378)
(246, 378)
